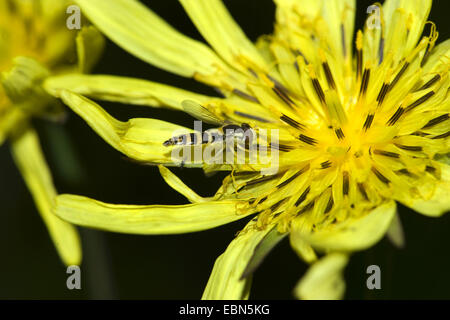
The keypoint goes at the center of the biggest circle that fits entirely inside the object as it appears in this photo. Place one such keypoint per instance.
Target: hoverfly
(243, 133)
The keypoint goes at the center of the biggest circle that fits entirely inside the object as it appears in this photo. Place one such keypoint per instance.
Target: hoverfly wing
(200, 112)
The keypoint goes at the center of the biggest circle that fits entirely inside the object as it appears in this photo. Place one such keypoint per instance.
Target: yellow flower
(358, 131)
(34, 42)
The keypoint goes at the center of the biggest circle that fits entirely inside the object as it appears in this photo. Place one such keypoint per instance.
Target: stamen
(368, 122)
(252, 72)
(281, 147)
(396, 116)
(299, 53)
(386, 153)
(329, 205)
(318, 90)
(409, 148)
(419, 101)
(308, 140)
(277, 204)
(245, 95)
(364, 82)
(442, 136)
(290, 179)
(281, 91)
(303, 196)
(260, 180)
(436, 121)
(382, 94)
(250, 116)
(430, 82)
(380, 176)
(362, 190)
(291, 122)
(329, 76)
(405, 172)
(306, 208)
(381, 50)
(326, 164)
(283, 96)
(339, 133)
(345, 183)
(262, 200)
(399, 75)
(344, 49)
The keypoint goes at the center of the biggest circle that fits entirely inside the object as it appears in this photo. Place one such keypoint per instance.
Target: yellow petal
(220, 30)
(90, 44)
(28, 157)
(122, 89)
(303, 249)
(353, 233)
(226, 282)
(139, 139)
(267, 244)
(141, 32)
(395, 232)
(178, 185)
(150, 219)
(324, 280)
(404, 14)
(9, 121)
(436, 199)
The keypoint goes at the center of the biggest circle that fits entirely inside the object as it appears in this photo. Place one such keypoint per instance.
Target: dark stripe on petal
(306, 208)
(436, 121)
(318, 90)
(380, 176)
(382, 94)
(381, 50)
(359, 59)
(339, 133)
(344, 48)
(277, 204)
(329, 205)
(430, 82)
(302, 196)
(291, 122)
(419, 101)
(260, 180)
(345, 183)
(245, 95)
(368, 122)
(308, 140)
(362, 190)
(262, 200)
(442, 136)
(325, 164)
(290, 179)
(399, 75)
(409, 148)
(250, 116)
(364, 82)
(386, 153)
(396, 116)
(329, 76)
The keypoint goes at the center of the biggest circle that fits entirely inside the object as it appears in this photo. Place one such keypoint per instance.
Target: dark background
(178, 266)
